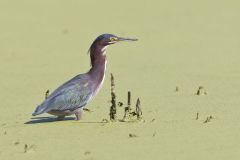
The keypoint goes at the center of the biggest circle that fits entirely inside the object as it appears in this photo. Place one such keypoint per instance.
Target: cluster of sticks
(208, 119)
(201, 90)
(128, 111)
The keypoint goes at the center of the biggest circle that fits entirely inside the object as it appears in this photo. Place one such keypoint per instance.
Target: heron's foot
(79, 114)
(60, 118)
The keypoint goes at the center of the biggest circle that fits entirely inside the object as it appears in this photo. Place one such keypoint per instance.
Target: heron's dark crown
(105, 39)
(105, 36)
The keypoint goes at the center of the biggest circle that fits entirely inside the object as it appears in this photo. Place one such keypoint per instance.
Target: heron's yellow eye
(113, 39)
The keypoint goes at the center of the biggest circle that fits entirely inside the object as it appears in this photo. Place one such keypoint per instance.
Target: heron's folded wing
(69, 98)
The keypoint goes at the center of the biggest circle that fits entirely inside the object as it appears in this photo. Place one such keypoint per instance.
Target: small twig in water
(47, 94)
(154, 134)
(120, 104)
(25, 148)
(17, 143)
(132, 135)
(127, 110)
(138, 109)
(177, 89)
(87, 110)
(153, 120)
(201, 91)
(197, 116)
(208, 119)
(87, 153)
(29, 148)
(105, 121)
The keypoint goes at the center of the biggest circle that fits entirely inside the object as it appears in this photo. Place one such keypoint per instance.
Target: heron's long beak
(126, 39)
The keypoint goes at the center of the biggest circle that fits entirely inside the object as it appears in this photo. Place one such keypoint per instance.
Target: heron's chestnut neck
(97, 54)
(98, 60)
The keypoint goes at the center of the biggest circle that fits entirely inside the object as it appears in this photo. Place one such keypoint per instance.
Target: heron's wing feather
(70, 98)
(81, 78)
(71, 95)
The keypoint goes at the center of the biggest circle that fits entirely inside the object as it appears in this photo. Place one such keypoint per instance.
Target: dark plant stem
(197, 116)
(127, 110)
(138, 109)
(113, 109)
(46, 94)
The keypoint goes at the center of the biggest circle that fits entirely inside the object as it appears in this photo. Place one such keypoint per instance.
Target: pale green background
(182, 43)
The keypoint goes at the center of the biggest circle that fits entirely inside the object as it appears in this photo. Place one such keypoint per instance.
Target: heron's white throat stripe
(104, 50)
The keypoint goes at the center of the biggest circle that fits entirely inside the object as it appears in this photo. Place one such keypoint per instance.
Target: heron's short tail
(34, 113)
(39, 110)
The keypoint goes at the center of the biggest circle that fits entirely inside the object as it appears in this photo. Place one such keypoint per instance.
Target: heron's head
(101, 43)
(107, 39)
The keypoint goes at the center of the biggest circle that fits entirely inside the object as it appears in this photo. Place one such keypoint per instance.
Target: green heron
(73, 95)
